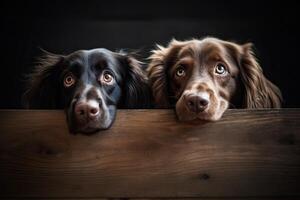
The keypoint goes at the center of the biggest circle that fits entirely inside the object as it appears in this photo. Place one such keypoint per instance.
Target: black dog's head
(89, 85)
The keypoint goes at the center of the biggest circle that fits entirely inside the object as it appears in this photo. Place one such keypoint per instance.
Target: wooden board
(149, 154)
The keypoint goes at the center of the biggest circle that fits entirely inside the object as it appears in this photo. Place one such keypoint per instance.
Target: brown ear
(160, 61)
(259, 91)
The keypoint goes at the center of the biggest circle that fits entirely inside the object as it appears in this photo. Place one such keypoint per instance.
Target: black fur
(46, 88)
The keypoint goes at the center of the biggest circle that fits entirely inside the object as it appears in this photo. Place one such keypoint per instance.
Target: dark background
(64, 26)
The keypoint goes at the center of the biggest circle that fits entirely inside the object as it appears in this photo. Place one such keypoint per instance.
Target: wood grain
(149, 154)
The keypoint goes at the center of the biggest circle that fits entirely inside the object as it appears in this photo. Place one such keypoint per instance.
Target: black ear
(136, 91)
(43, 89)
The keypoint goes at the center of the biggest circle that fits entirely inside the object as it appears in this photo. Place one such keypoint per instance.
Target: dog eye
(107, 77)
(180, 72)
(69, 80)
(220, 69)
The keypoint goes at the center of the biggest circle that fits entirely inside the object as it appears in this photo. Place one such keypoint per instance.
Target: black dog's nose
(88, 110)
(196, 103)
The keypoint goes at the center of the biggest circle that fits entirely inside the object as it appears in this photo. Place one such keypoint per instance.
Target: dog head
(202, 78)
(89, 85)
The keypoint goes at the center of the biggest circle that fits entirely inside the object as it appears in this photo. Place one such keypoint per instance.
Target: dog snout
(87, 110)
(197, 102)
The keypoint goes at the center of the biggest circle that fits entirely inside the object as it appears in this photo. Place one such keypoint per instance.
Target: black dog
(89, 85)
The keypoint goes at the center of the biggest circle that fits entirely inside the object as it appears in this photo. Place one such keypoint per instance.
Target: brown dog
(202, 78)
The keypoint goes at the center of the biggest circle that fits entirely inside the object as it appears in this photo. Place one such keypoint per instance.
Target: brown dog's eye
(107, 77)
(69, 80)
(220, 69)
(180, 72)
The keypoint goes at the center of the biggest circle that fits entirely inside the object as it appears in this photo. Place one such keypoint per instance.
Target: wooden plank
(196, 198)
(148, 154)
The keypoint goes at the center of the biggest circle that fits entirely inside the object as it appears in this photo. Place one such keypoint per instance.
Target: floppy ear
(43, 84)
(136, 90)
(259, 91)
(160, 60)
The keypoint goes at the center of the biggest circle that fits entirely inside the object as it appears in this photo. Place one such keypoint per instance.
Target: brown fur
(247, 75)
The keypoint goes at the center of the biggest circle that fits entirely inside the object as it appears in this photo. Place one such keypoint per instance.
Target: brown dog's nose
(84, 110)
(196, 103)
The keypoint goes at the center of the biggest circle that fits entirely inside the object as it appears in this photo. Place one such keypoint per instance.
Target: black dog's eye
(107, 77)
(69, 80)
(220, 69)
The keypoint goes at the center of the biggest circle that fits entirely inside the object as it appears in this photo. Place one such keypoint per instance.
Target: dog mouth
(81, 122)
(213, 112)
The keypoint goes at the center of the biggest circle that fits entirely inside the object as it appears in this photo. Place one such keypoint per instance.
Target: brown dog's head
(202, 78)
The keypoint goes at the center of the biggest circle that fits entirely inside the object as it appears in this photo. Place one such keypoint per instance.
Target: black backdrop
(64, 26)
